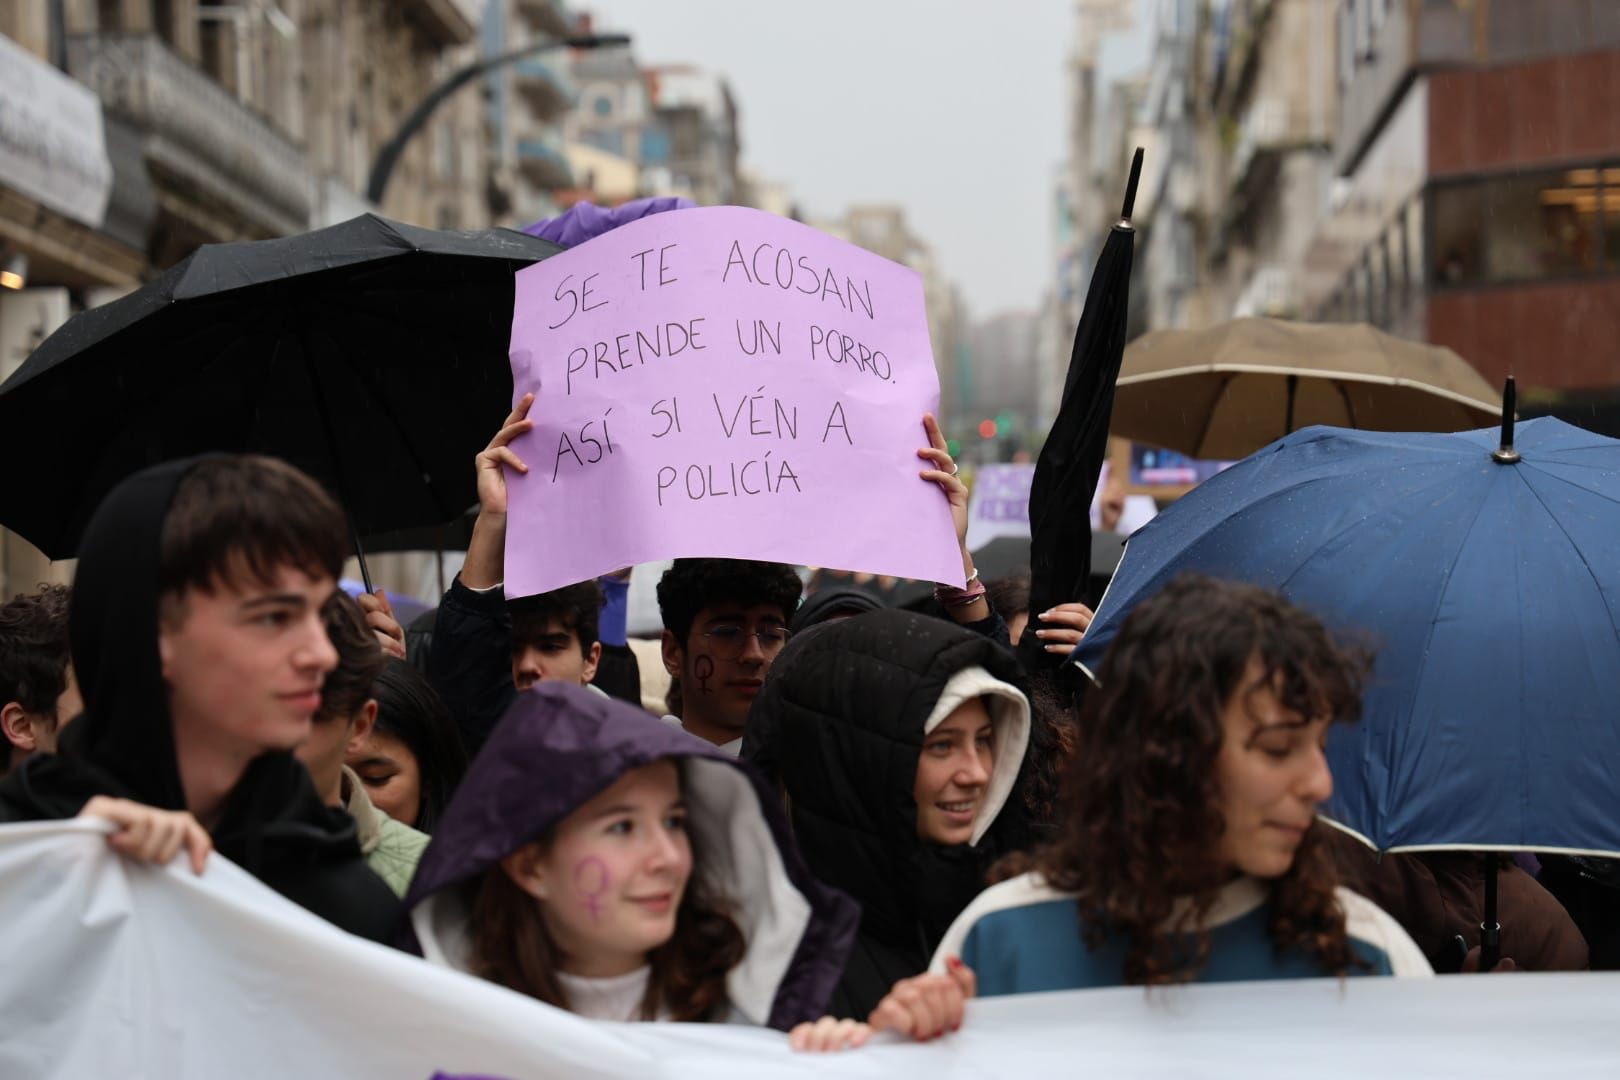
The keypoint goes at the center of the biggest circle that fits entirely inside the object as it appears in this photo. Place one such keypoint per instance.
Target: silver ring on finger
(955, 468)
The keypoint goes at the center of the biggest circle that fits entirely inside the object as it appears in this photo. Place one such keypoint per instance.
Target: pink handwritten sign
(722, 382)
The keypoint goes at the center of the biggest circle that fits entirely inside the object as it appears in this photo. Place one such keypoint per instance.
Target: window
(1522, 227)
(1412, 245)
(1389, 287)
(1609, 218)
(445, 150)
(602, 106)
(1347, 42)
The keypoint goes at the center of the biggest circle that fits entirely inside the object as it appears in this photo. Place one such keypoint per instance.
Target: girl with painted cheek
(608, 864)
(1191, 848)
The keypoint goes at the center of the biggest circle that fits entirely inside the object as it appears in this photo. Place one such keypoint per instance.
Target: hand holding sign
(722, 382)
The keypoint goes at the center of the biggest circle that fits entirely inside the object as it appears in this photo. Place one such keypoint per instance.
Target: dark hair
(578, 607)
(691, 585)
(409, 710)
(243, 513)
(34, 653)
(1009, 596)
(360, 659)
(511, 946)
(1143, 819)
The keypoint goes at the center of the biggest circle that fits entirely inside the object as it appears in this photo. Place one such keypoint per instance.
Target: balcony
(1272, 291)
(450, 22)
(547, 90)
(542, 163)
(548, 17)
(202, 145)
(1272, 126)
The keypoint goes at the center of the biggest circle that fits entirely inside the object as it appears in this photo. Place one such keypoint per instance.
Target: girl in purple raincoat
(607, 864)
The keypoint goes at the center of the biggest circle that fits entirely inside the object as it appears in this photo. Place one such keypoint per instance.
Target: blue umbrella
(1490, 589)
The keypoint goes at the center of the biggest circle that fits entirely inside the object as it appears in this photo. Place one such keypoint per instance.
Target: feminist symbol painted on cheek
(591, 881)
(703, 668)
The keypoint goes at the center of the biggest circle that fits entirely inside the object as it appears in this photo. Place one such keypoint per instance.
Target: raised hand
(498, 455)
(944, 473)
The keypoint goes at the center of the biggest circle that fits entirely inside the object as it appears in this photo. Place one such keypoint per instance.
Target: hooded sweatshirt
(559, 746)
(273, 824)
(851, 707)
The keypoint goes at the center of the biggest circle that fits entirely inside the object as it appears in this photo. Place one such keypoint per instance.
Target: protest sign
(1000, 503)
(119, 969)
(722, 382)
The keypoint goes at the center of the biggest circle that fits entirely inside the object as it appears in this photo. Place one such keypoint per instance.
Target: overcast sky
(954, 108)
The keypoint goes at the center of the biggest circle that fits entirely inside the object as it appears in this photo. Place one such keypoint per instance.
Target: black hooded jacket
(273, 824)
(849, 707)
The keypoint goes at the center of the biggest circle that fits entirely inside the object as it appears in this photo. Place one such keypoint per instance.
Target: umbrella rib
(1416, 493)
(1439, 601)
(1597, 582)
(1209, 417)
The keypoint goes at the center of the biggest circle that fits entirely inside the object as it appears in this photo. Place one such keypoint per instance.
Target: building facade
(1479, 149)
(1449, 172)
(140, 129)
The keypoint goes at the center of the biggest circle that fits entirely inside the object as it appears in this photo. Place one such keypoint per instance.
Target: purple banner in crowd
(1000, 503)
(722, 382)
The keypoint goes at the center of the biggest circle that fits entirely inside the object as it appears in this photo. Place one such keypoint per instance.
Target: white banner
(52, 145)
(114, 969)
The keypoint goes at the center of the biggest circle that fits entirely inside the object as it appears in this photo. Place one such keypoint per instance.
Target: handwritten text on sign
(722, 382)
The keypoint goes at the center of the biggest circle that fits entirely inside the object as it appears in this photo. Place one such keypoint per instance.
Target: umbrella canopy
(1224, 392)
(370, 354)
(1072, 456)
(1491, 591)
(1006, 556)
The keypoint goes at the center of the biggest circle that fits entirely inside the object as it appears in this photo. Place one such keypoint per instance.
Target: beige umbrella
(1224, 392)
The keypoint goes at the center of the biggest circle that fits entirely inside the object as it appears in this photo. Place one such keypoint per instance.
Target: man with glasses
(725, 622)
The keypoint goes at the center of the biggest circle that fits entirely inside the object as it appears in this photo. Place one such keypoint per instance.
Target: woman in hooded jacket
(1191, 849)
(610, 865)
(899, 739)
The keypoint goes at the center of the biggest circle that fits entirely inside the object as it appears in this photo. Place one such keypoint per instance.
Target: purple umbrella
(585, 220)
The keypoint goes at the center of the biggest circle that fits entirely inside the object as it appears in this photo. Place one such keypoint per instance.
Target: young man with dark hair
(550, 634)
(38, 693)
(725, 621)
(344, 722)
(197, 637)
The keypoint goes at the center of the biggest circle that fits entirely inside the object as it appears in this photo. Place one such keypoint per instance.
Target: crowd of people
(847, 817)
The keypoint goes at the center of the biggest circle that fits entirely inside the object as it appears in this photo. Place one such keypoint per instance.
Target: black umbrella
(1007, 556)
(371, 354)
(1071, 460)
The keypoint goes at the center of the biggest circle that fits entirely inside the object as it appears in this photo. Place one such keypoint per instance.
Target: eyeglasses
(729, 642)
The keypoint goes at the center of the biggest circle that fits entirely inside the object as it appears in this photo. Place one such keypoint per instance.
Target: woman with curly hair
(607, 864)
(1192, 850)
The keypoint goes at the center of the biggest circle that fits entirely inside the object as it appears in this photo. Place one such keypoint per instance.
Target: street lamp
(383, 167)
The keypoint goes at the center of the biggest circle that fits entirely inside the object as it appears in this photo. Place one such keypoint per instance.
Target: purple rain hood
(558, 746)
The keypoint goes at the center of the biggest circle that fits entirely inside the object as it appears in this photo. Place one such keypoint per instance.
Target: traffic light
(987, 429)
